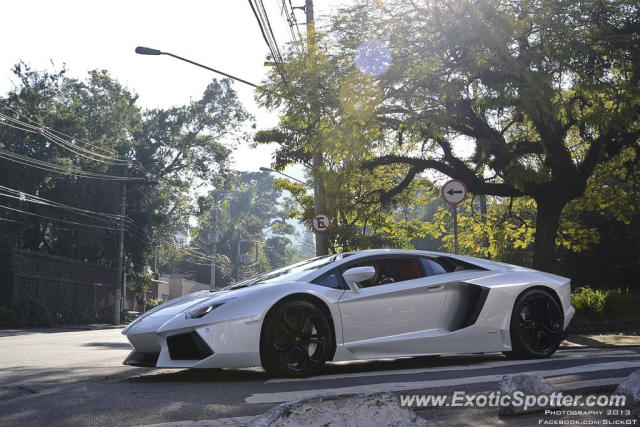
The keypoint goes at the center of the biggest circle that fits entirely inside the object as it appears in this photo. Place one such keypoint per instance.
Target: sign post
(454, 192)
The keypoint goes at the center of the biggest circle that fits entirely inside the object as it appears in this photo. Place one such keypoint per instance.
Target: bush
(622, 302)
(35, 312)
(149, 304)
(8, 317)
(588, 301)
(591, 302)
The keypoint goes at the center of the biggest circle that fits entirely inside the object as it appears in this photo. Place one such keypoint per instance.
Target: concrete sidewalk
(601, 340)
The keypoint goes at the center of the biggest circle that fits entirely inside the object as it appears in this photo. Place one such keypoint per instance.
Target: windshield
(289, 273)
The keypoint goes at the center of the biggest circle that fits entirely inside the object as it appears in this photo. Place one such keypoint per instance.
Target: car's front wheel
(536, 325)
(297, 339)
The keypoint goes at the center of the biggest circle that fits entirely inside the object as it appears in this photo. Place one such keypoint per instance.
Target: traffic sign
(321, 223)
(454, 192)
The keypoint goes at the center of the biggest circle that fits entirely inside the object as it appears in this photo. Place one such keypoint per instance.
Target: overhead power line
(69, 146)
(287, 11)
(18, 195)
(134, 230)
(61, 134)
(257, 7)
(57, 219)
(64, 170)
(72, 144)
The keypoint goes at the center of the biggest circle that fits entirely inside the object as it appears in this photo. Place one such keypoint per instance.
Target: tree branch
(474, 183)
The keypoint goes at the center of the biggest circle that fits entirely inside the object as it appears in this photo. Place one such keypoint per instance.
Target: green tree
(174, 147)
(328, 107)
(247, 214)
(542, 92)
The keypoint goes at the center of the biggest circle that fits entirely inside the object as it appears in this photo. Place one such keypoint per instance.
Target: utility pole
(121, 279)
(483, 217)
(319, 190)
(155, 258)
(239, 262)
(214, 242)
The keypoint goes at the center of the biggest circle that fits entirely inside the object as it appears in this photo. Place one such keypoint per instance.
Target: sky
(87, 35)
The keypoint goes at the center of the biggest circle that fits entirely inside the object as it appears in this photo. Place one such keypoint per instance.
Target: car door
(393, 318)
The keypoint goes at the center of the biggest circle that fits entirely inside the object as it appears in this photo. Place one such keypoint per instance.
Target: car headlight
(205, 308)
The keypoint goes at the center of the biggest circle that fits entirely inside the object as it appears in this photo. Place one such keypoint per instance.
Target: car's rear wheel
(536, 325)
(297, 339)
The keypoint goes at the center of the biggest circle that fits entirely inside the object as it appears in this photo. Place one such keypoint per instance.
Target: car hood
(179, 305)
(171, 308)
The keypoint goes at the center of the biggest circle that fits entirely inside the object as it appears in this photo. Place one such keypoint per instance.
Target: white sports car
(360, 305)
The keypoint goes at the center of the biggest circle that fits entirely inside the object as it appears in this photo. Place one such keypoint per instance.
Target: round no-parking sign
(321, 223)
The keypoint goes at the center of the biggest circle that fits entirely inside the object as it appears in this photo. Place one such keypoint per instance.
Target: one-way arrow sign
(454, 192)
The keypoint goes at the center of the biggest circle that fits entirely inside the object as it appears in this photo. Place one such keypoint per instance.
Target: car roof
(354, 255)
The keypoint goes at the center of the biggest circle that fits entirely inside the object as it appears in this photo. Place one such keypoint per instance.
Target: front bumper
(228, 344)
(568, 316)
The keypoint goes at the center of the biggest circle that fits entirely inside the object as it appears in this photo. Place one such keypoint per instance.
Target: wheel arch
(548, 289)
(301, 296)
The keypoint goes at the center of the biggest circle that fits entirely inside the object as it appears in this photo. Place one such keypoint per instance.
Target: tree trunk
(544, 247)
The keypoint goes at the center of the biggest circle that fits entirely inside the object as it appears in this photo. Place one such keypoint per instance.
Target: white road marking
(484, 365)
(427, 384)
(598, 382)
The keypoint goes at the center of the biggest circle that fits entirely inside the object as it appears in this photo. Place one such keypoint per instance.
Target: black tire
(537, 325)
(297, 339)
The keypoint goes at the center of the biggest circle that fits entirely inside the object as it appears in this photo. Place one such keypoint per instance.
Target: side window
(392, 270)
(330, 280)
(432, 267)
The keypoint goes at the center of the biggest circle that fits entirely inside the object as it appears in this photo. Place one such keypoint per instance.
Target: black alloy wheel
(536, 325)
(297, 339)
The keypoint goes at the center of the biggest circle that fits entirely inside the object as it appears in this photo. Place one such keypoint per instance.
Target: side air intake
(188, 347)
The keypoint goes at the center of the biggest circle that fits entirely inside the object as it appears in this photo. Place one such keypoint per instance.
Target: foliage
(597, 232)
(541, 92)
(36, 312)
(151, 303)
(247, 213)
(588, 301)
(326, 108)
(142, 283)
(8, 317)
(170, 148)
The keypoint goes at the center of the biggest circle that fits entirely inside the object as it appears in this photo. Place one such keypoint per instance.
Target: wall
(44, 289)
(179, 286)
(605, 324)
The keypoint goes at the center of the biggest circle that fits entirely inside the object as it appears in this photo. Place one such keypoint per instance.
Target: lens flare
(373, 58)
(360, 95)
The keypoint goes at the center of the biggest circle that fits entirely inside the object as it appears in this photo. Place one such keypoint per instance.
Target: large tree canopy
(542, 91)
(171, 149)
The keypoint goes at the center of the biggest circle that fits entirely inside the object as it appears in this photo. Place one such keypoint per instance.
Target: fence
(42, 289)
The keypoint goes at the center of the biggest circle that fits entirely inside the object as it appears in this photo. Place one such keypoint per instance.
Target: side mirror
(355, 275)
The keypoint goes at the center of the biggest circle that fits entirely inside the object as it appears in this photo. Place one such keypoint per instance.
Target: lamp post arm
(210, 69)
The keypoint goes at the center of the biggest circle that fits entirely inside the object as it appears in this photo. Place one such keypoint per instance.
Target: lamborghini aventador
(358, 305)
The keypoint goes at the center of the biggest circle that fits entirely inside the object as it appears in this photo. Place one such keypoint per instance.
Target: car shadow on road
(61, 329)
(409, 363)
(110, 345)
(258, 374)
(200, 376)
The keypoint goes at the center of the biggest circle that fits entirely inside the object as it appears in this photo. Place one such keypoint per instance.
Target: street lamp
(149, 51)
(263, 169)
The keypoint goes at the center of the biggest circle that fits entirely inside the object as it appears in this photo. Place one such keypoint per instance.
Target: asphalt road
(75, 377)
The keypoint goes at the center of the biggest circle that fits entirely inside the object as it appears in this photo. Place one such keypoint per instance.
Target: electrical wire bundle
(76, 146)
(80, 148)
(267, 33)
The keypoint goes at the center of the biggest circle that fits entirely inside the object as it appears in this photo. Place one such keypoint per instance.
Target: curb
(606, 385)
